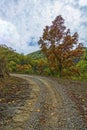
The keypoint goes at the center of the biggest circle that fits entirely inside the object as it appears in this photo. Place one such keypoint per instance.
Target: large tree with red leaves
(60, 47)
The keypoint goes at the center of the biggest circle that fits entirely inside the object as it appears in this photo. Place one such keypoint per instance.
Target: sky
(22, 21)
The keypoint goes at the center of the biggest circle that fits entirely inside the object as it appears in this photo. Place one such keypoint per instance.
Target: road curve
(49, 108)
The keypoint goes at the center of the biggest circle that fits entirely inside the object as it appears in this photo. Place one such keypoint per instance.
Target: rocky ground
(41, 103)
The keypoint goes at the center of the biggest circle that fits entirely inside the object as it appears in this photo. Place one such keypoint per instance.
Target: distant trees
(13, 62)
(82, 64)
(60, 47)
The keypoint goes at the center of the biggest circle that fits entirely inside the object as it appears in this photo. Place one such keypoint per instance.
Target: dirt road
(47, 108)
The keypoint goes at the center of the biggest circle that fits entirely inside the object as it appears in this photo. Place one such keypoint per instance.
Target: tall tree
(4, 58)
(3, 66)
(60, 47)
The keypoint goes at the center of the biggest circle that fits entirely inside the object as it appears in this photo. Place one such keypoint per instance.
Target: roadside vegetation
(12, 62)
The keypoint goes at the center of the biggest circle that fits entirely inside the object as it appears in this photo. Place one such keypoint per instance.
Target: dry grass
(10, 87)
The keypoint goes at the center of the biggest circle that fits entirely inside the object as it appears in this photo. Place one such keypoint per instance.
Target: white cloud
(28, 18)
(8, 33)
(83, 2)
(10, 37)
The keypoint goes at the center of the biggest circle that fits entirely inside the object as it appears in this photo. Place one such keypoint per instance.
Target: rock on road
(47, 108)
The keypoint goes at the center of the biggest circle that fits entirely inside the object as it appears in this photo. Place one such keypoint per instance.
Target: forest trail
(47, 108)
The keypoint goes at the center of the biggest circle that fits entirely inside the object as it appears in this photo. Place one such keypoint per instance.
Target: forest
(36, 63)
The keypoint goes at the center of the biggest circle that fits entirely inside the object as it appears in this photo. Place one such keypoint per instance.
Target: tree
(82, 64)
(12, 66)
(60, 47)
(6, 55)
(41, 65)
(24, 68)
(3, 66)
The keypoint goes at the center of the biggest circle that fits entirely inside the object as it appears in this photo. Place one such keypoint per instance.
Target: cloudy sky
(22, 21)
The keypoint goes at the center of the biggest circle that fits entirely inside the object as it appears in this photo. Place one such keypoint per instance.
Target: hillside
(36, 55)
(36, 63)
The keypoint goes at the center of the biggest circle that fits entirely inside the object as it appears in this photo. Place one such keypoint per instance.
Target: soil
(42, 103)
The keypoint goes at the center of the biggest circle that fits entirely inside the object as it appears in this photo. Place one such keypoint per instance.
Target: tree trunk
(1, 73)
(60, 71)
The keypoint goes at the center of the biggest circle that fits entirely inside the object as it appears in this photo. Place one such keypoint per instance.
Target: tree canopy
(61, 48)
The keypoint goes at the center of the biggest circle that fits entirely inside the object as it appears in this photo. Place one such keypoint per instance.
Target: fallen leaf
(9, 102)
(52, 114)
(13, 101)
(83, 100)
(38, 110)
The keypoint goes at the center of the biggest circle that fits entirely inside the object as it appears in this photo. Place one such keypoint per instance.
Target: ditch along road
(47, 108)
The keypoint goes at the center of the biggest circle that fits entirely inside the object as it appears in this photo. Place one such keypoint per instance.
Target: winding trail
(48, 108)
